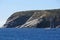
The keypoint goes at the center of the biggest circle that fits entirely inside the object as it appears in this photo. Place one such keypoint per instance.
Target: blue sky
(8, 7)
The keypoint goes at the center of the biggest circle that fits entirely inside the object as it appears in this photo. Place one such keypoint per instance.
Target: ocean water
(29, 34)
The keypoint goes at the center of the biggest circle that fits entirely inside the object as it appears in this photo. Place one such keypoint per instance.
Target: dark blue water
(29, 34)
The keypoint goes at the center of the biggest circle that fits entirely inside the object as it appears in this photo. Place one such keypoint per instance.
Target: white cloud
(2, 22)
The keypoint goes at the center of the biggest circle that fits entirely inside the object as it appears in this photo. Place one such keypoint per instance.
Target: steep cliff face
(34, 19)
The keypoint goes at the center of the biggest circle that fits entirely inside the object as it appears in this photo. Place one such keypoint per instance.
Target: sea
(29, 34)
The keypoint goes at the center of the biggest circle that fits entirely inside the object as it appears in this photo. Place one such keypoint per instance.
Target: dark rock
(34, 19)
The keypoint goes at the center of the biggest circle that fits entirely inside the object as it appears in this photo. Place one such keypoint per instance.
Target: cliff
(34, 19)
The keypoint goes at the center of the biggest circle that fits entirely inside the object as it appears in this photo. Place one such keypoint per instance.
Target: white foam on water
(2, 22)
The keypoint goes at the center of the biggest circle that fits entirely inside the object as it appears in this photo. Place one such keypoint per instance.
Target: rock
(34, 19)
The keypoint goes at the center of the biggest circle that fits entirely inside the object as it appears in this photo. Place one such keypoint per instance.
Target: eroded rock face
(34, 19)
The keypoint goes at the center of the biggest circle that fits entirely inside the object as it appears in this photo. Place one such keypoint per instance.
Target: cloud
(2, 22)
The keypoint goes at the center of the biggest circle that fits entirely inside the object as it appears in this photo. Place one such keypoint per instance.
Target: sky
(8, 7)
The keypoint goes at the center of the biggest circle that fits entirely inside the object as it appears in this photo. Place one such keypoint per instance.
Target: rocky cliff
(34, 19)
